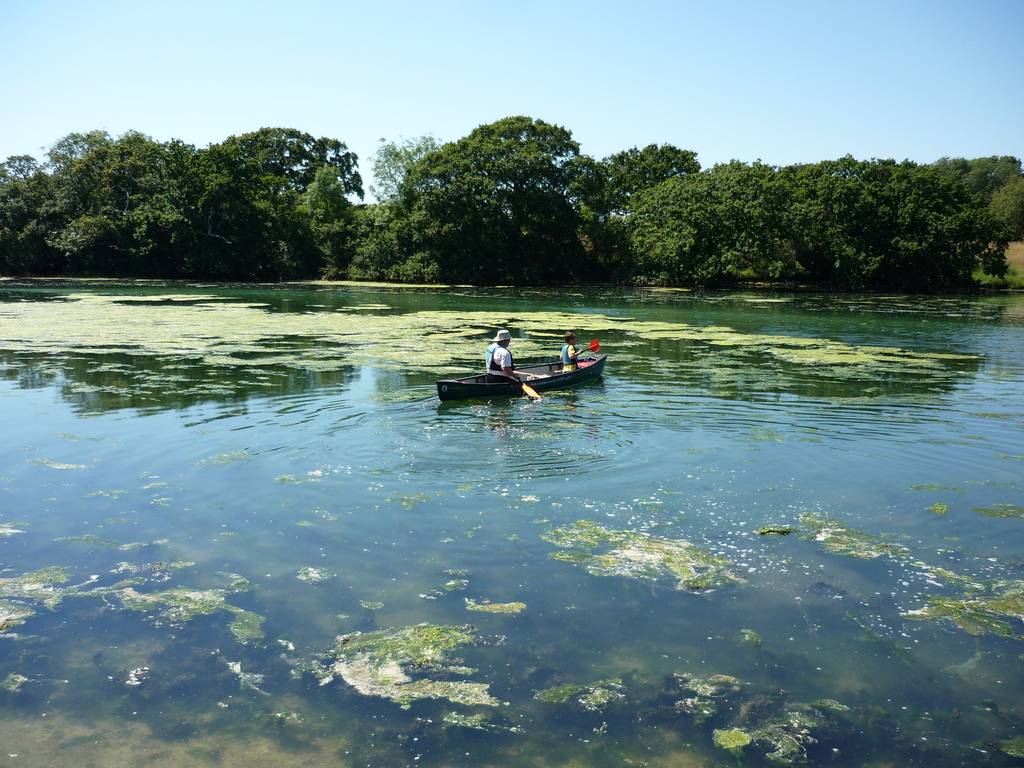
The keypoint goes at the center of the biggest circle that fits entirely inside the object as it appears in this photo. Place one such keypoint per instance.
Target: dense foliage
(515, 201)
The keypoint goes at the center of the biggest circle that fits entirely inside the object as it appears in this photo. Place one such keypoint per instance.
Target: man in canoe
(500, 365)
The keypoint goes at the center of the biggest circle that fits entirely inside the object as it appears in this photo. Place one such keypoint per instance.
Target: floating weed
(13, 683)
(775, 530)
(701, 694)
(788, 736)
(605, 552)
(222, 459)
(115, 493)
(247, 335)
(731, 739)
(593, 697)
(13, 615)
(939, 508)
(997, 611)
(837, 537)
(408, 500)
(250, 680)
(39, 586)
(51, 464)
(935, 487)
(829, 704)
(287, 480)
(180, 605)
(485, 606)
(749, 637)
(246, 626)
(89, 539)
(371, 605)
(312, 575)
(382, 663)
(1000, 510)
(477, 722)
(1013, 747)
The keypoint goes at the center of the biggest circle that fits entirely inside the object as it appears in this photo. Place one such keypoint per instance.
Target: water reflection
(349, 501)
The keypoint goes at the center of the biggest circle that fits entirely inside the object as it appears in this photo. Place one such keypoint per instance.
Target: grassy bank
(1015, 276)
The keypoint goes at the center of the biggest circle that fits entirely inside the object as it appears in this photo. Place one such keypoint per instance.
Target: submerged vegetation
(593, 697)
(513, 202)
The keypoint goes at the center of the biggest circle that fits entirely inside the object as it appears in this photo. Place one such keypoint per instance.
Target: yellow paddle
(530, 392)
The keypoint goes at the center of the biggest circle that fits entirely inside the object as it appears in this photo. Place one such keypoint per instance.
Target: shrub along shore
(514, 202)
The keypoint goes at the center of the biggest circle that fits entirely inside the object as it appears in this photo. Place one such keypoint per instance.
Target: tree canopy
(515, 201)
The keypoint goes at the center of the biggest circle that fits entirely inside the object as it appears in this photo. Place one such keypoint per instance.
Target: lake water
(207, 491)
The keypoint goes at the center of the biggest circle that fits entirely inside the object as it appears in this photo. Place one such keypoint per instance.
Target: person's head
(503, 337)
(570, 337)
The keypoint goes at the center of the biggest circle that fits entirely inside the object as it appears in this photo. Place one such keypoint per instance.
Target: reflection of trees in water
(97, 384)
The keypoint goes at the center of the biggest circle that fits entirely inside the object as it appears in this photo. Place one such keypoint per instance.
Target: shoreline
(756, 285)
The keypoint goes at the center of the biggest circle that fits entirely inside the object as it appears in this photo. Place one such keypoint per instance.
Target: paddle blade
(530, 392)
(594, 346)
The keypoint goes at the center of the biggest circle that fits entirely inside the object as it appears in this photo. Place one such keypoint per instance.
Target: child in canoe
(569, 352)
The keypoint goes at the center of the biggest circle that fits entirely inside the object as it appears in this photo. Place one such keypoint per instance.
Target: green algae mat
(237, 528)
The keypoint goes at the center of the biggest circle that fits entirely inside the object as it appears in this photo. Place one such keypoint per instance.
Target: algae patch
(383, 663)
(477, 721)
(13, 683)
(1013, 747)
(593, 697)
(1001, 510)
(605, 552)
(180, 605)
(841, 539)
(485, 606)
(13, 615)
(701, 695)
(998, 611)
(312, 574)
(732, 739)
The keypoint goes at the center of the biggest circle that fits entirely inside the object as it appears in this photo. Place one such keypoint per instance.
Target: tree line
(513, 202)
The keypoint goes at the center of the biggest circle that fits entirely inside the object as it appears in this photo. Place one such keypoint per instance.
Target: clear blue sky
(778, 81)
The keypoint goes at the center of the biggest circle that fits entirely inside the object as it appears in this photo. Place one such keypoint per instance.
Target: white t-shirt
(502, 358)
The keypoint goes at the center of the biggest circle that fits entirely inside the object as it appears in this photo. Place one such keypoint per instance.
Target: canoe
(549, 376)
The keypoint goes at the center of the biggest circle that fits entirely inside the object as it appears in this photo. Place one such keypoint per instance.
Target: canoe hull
(477, 387)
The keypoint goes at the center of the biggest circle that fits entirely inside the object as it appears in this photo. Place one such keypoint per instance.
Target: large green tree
(983, 175)
(496, 206)
(1008, 206)
(28, 216)
(250, 217)
(883, 224)
(708, 228)
(120, 204)
(634, 170)
(392, 162)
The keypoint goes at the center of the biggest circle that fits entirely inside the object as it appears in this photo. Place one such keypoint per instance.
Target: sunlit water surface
(286, 446)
